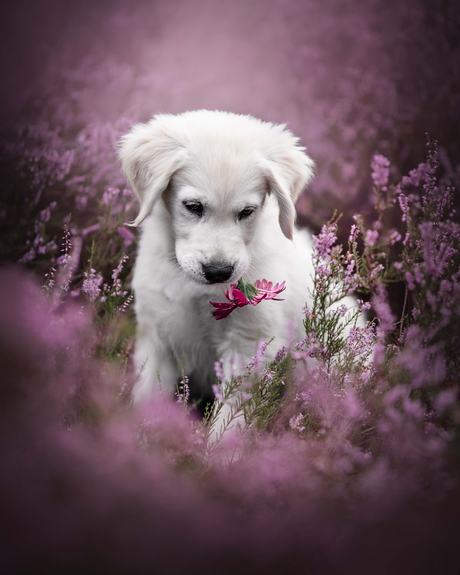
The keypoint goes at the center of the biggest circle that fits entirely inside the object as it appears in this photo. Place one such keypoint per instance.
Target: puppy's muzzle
(217, 272)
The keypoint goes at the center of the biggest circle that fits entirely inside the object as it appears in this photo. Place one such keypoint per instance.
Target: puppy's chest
(187, 320)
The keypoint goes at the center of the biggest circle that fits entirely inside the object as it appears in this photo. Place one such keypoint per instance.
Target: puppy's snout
(217, 272)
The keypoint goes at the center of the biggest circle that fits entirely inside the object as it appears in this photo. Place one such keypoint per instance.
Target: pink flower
(91, 284)
(371, 237)
(380, 170)
(267, 291)
(244, 293)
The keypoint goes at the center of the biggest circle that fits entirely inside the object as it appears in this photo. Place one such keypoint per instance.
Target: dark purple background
(350, 78)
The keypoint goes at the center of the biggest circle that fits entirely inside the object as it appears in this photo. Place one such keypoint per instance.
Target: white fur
(227, 162)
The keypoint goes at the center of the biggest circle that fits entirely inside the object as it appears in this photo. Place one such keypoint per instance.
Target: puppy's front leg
(153, 360)
(229, 420)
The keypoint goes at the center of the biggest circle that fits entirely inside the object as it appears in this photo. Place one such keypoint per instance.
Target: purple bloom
(183, 392)
(91, 285)
(127, 235)
(218, 370)
(296, 423)
(404, 205)
(325, 240)
(218, 393)
(394, 237)
(380, 170)
(416, 176)
(371, 237)
(257, 358)
(90, 230)
(354, 230)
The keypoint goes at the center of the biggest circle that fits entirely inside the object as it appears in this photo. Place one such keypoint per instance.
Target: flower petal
(229, 292)
(223, 313)
(239, 298)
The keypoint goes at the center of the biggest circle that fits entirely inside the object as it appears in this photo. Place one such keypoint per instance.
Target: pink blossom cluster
(91, 284)
(380, 170)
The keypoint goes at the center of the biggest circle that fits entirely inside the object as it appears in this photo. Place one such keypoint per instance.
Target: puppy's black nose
(217, 272)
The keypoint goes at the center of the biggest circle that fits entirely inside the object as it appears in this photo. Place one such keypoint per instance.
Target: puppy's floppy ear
(288, 170)
(150, 154)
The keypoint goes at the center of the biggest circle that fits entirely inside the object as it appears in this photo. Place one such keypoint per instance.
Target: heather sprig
(267, 393)
(330, 317)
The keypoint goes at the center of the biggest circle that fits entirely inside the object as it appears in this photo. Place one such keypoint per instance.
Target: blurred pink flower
(380, 170)
(371, 237)
(127, 235)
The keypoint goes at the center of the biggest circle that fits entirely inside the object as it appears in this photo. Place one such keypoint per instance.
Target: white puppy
(217, 193)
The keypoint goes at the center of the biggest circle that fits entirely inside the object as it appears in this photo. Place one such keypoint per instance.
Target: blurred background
(350, 78)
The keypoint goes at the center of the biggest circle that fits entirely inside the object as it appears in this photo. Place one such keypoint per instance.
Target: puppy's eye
(195, 208)
(245, 213)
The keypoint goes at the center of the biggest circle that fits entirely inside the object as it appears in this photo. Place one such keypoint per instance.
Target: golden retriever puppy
(217, 193)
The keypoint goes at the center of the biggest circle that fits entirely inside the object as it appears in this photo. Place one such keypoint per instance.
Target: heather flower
(296, 423)
(109, 195)
(382, 308)
(341, 310)
(257, 358)
(267, 376)
(90, 229)
(49, 282)
(280, 355)
(218, 370)
(371, 237)
(124, 306)
(70, 259)
(325, 240)
(361, 341)
(410, 280)
(394, 237)
(28, 257)
(354, 230)
(127, 235)
(183, 393)
(362, 306)
(304, 396)
(352, 405)
(91, 284)
(218, 393)
(380, 170)
(404, 205)
(116, 272)
(45, 214)
(117, 285)
(416, 176)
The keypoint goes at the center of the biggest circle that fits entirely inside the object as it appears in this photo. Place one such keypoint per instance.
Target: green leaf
(247, 288)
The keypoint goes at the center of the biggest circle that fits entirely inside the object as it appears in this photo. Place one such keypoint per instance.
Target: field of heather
(349, 456)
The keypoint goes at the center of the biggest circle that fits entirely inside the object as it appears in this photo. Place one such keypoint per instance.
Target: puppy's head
(213, 170)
